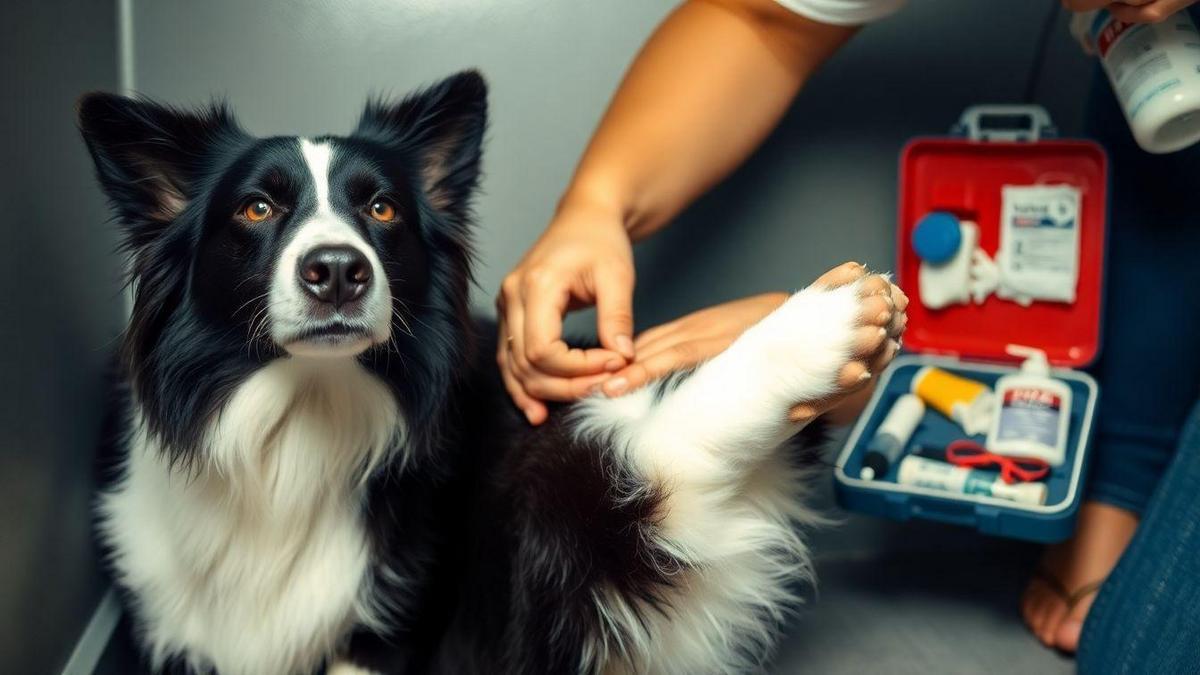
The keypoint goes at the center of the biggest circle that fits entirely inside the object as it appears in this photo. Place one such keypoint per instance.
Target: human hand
(1132, 11)
(687, 341)
(583, 258)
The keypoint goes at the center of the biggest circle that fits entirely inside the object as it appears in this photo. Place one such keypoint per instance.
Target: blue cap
(936, 237)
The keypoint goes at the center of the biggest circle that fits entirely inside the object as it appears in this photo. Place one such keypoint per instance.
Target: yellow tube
(966, 401)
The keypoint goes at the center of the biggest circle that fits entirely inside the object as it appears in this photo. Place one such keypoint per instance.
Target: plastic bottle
(1155, 72)
(887, 445)
(966, 401)
(1034, 411)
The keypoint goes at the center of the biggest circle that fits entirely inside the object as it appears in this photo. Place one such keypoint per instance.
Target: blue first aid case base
(1053, 521)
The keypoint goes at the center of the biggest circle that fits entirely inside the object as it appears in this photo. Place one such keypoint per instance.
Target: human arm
(708, 86)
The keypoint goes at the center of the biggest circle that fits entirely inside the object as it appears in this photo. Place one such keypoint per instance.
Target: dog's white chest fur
(256, 559)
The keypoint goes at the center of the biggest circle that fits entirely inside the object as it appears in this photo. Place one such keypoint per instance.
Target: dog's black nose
(335, 274)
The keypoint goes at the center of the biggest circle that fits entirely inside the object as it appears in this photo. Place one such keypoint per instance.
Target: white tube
(930, 473)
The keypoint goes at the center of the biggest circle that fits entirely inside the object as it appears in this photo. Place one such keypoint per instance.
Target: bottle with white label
(1033, 413)
(1155, 72)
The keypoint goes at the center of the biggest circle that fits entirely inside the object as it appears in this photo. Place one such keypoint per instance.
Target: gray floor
(910, 598)
(913, 597)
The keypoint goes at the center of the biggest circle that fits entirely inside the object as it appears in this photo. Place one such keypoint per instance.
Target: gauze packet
(1039, 243)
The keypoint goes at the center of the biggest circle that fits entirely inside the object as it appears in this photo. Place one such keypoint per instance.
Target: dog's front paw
(828, 341)
(877, 325)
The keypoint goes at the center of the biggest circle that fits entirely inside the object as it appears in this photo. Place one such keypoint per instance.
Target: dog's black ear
(443, 127)
(149, 156)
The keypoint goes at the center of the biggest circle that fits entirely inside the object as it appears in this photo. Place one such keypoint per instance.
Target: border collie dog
(318, 469)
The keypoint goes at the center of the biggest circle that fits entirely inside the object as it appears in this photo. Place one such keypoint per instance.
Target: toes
(1027, 614)
(869, 340)
(1039, 614)
(899, 305)
(873, 351)
(846, 273)
(877, 310)
(874, 284)
(853, 375)
(1033, 611)
(884, 356)
(1066, 637)
(1037, 609)
(1043, 611)
(883, 322)
(1053, 612)
(899, 297)
(877, 324)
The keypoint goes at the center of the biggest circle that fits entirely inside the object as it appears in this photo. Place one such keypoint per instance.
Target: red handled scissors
(970, 454)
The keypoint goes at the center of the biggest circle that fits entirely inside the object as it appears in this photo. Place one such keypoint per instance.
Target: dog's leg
(709, 444)
(714, 428)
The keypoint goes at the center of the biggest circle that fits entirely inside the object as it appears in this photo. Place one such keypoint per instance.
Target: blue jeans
(1146, 617)
(1149, 369)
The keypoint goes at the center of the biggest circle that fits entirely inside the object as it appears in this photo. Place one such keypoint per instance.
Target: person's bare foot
(1073, 567)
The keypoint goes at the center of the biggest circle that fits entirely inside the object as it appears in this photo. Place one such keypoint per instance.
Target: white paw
(828, 340)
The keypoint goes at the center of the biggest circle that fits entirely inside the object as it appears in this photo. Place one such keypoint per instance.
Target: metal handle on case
(1005, 122)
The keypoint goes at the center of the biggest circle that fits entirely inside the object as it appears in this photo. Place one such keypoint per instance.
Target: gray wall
(61, 307)
(307, 68)
(821, 191)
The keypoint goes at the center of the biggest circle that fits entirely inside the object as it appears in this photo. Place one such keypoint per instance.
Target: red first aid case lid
(964, 176)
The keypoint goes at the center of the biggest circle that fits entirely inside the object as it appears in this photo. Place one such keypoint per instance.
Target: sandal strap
(1082, 592)
(1071, 598)
(1046, 577)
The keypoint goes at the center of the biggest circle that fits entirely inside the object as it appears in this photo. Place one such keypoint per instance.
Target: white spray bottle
(1034, 411)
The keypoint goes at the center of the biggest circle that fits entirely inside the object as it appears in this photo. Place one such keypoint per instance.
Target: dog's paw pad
(841, 332)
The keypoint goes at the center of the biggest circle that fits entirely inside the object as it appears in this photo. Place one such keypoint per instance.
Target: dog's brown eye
(257, 211)
(383, 211)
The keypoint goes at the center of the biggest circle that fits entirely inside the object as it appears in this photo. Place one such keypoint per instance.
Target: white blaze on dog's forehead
(317, 156)
(290, 309)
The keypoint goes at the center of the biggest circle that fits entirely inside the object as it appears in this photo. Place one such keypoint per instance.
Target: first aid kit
(985, 420)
